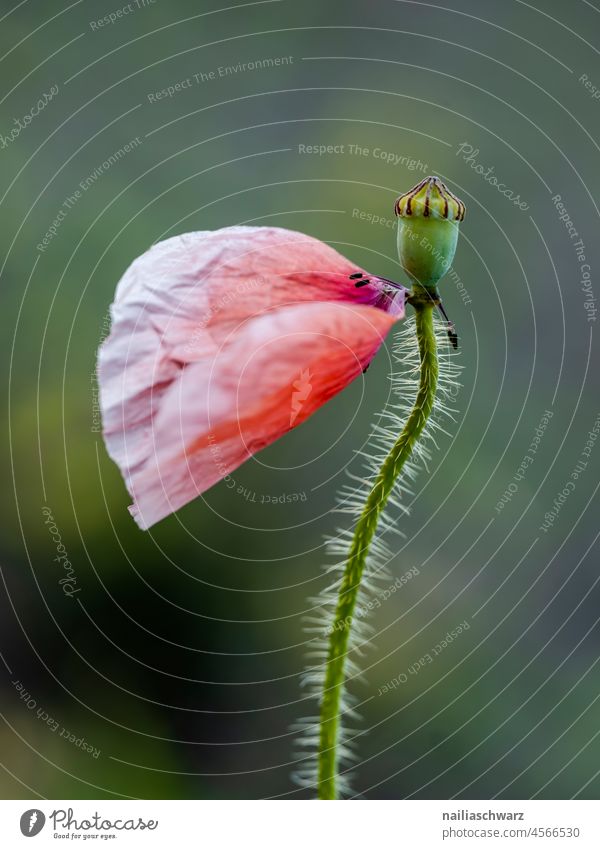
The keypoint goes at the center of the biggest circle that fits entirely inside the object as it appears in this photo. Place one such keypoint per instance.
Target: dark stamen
(451, 330)
(443, 312)
(362, 283)
(355, 275)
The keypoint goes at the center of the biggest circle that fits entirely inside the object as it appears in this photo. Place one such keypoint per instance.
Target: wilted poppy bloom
(223, 341)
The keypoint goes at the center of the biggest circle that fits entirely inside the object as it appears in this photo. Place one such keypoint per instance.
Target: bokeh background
(174, 670)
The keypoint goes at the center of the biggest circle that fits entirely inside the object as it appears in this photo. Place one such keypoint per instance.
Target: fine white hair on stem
(350, 503)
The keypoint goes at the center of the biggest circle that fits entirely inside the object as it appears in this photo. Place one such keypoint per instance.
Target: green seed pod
(428, 217)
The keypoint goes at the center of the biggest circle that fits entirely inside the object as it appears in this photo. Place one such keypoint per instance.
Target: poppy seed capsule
(428, 217)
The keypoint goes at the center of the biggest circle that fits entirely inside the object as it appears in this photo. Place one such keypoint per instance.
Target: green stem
(363, 535)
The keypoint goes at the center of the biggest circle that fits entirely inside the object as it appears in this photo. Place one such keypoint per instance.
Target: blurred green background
(179, 659)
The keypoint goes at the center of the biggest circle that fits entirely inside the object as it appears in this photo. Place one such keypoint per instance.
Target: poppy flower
(221, 342)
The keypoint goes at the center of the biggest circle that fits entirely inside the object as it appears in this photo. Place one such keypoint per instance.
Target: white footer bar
(301, 824)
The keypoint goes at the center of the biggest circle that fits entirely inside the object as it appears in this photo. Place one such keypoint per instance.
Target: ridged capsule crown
(430, 199)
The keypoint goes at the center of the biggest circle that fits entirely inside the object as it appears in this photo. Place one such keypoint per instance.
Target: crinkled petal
(280, 369)
(187, 389)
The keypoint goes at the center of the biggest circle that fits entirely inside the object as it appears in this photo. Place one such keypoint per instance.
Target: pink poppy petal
(178, 310)
(278, 371)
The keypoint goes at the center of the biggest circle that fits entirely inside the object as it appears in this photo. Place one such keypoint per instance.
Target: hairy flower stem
(363, 535)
